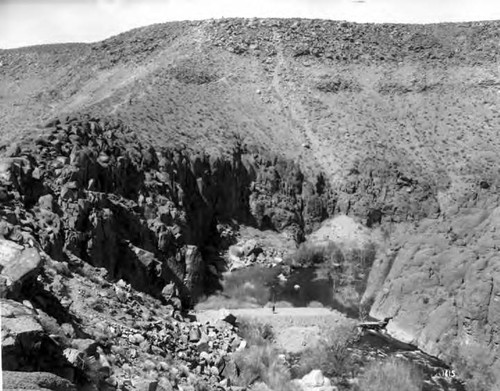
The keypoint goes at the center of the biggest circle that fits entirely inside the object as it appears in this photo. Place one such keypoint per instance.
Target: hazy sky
(29, 22)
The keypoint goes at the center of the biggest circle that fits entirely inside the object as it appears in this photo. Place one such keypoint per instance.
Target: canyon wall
(441, 283)
(89, 190)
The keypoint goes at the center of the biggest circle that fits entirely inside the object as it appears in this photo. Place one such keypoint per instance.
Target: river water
(313, 291)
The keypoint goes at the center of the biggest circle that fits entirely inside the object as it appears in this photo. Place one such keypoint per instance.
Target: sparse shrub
(315, 304)
(313, 357)
(310, 254)
(200, 385)
(255, 333)
(250, 284)
(331, 354)
(348, 296)
(346, 268)
(475, 366)
(97, 304)
(391, 375)
(336, 83)
(332, 256)
(248, 288)
(262, 364)
(260, 386)
(188, 74)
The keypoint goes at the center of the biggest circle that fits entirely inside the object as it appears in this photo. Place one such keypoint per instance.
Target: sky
(32, 22)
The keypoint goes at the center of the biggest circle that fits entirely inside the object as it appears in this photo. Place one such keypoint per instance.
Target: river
(302, 289)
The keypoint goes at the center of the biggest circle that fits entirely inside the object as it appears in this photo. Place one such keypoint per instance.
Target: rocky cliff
(87, 189)
(441, 283)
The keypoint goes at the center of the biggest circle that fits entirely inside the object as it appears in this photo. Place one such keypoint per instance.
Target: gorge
(144, 155)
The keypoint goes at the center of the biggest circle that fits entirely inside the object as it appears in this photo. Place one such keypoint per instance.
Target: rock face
(91, 190)
(443, 284)
(376, 190)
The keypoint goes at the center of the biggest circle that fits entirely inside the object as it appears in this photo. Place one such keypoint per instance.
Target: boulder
(86, 346)
(227, 317)
(46, 202)
(25, 344)
(17, 265)
(314, 378)
(5, 171)
(249, 247)
(21, 332)
(164, 385)
(35, 381)
(74, 356)
(145, 385)
(194, 334)
(315, 381)
(169, 291)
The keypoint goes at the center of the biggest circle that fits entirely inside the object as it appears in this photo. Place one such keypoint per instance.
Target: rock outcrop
(25, 344)
(441, 284)
(89, 189)
(18, 265)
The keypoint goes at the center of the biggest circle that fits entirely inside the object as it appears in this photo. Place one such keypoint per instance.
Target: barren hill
(423, 98)
(141, 153)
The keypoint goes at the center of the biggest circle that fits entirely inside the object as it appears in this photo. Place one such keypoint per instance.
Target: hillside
(144, 153)
(423, 98)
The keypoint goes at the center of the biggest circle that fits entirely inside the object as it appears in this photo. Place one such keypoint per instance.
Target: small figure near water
(273, 297)
(277, 282)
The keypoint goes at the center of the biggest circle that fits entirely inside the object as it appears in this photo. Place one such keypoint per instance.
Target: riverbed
(302, 289)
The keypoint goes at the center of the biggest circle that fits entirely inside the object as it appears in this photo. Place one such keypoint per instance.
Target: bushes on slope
(391, 375)
(331, 354)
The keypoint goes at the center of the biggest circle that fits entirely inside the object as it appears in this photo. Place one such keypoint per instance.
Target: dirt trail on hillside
(295, 328)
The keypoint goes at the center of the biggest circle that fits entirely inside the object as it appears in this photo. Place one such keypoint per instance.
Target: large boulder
(18, 174)
(18, 264)
(226, 316)
(21, 334)
(35, 381)
(315, 381)
(25, 344)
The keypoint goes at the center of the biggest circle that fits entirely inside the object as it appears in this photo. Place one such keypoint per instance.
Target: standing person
(273, 296)
(273, 287)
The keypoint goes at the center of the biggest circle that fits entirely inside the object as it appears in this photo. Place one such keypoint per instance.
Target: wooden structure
(376, 325)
